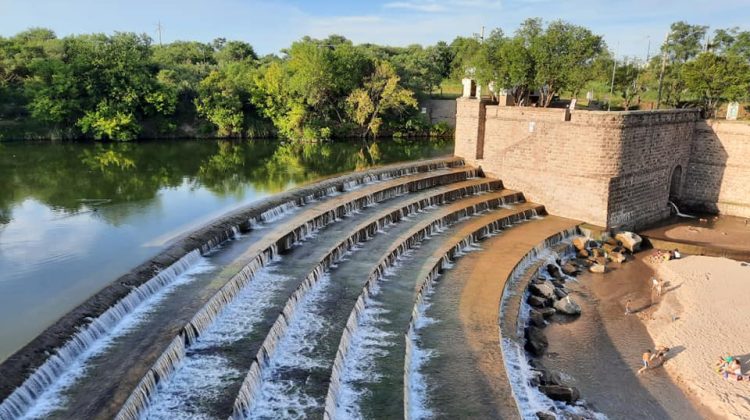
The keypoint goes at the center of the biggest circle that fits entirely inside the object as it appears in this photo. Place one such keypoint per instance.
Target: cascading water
(250, 389)
(88, 339)
(40, 392)
(139, 400)
(415, 398)
(514, 316)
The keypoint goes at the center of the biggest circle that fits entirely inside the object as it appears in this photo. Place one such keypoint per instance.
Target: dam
(337, 300)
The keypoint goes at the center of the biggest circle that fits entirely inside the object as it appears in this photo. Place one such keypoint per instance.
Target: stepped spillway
(309, 305)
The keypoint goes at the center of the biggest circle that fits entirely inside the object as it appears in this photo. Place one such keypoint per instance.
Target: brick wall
(440, 110)
(718, 176)
(611, 169)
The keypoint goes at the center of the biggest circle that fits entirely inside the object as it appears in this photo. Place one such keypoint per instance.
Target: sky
(627, 25)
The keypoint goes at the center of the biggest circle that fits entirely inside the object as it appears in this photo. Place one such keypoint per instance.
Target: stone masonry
(718, 175)
(612, 169)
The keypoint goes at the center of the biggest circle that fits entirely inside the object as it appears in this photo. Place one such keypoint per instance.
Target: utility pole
(481, 37)
(158, 30)
(612, 85)
(663, 67)
(648, 50)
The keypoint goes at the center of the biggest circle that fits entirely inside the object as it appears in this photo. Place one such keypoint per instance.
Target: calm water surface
(75, 216)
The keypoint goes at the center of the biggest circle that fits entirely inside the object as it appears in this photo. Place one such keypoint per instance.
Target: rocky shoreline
(548, 298)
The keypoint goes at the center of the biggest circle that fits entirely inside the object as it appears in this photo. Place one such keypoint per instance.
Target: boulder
(560, 293)
(631, 241)
(566, 394)
(570, 269)
(536, 341)
(547, 312)
(545, 415)
(554, 271)
(536, 319)
(617, 257)
(598, 268)
(558, 283)
(545, 290)
(536, 301)
(583, 253)
(567, 306)
(580, 242)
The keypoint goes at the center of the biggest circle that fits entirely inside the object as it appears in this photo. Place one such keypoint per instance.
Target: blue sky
(627, 25)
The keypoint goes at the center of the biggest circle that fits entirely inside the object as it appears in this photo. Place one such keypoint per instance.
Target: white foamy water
(201, 375)
(280, 398)
(369, 343)
(53, 396)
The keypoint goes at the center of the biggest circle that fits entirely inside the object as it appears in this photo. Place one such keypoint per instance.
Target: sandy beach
(702, 315)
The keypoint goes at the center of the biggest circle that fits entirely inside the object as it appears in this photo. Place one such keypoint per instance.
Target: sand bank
(702, 315)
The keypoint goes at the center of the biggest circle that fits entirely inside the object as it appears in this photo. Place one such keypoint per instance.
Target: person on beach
(723, 363)
(676, 254)
(646, 360)
(734, 370)
(627, 307)
(656, 286)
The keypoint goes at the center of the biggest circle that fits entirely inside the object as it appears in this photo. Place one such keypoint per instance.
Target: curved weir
(260, 371)
(398, 290)
(175, 353)
(134, 291)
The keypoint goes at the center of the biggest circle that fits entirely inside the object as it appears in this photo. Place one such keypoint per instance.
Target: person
(734, 370)
(646, 360)
(656, 286)
(723, 363)
(676, 254)
(627, 307)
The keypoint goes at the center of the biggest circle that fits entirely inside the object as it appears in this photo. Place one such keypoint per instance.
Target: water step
(295, 265)
(465, 304)
(90, 395)
(368, 382)
(338, 297)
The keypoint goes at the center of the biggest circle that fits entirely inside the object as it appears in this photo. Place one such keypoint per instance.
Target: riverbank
(703, 315)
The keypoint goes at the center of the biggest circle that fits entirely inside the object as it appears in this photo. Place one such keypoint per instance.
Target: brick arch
(675, 183)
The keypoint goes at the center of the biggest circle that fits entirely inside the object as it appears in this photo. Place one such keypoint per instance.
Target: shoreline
(702, 312)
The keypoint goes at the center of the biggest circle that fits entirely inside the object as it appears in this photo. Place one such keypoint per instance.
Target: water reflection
(75, 216)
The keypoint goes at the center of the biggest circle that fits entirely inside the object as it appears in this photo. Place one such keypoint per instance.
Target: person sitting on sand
(646, 360)
(676, 254)
(734, 370)
(723, 363)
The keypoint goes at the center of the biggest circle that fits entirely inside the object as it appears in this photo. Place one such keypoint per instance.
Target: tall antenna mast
(158, 30)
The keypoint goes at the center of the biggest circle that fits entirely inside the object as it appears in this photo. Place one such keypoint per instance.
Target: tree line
(122, 86)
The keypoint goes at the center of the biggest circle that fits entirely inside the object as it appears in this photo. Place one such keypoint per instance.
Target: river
(76, 216)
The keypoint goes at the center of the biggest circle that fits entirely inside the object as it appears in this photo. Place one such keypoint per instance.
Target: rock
(580, 242)
(583, 253)
(608, 247)
(566, 394)
(558, 283)
(545, 415)
(536, 341)
(536, 319)
(545, 290)
(554, 271)
(570, 269)
(536, 301)
(598, 268)
(547, 312)
(617, 257)
(631, 241)
(560, 293)
(567, 306)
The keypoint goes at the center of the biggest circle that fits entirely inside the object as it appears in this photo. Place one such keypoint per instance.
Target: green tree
(714, 78)
(380, 95)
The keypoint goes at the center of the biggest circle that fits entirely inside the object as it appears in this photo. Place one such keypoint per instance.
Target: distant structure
(611, 169)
